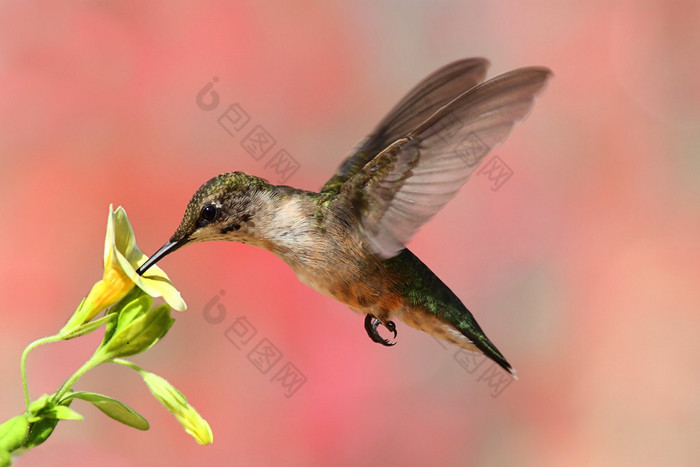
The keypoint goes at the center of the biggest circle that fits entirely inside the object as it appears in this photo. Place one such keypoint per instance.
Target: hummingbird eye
(208, 214)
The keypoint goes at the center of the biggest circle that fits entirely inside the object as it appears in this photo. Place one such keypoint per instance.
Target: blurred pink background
(583, 268)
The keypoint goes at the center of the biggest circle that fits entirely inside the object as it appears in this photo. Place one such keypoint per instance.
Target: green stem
(23, 362)
(65, 387)
(82, 330)
(128, 363)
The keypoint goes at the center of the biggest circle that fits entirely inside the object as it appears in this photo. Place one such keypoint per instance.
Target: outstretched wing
(413, 178)
(420, 103)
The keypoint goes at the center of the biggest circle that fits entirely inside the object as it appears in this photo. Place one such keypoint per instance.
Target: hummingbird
(347, 241)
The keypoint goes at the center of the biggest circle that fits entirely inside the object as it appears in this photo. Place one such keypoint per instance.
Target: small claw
(371, 324)
(391, 327)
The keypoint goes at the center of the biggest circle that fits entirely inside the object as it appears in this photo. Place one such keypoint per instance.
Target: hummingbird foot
(371, 324)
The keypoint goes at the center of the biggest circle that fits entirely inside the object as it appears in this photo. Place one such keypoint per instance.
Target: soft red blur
(583, 267)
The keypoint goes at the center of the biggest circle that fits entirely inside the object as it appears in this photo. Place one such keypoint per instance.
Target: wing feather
(412, 179)
(421, 102)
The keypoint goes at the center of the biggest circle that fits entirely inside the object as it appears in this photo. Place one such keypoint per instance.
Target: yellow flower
(121, 259)
(176, 403)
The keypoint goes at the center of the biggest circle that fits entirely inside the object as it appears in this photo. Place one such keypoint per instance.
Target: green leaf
(40, 432)
(134, 309)
(139, 335)
(74, 317)
(87, 328)
(5, 459)
(111, 326)
(44, 407)
(38, 407)
(13, 433)
(129, 304)
(62, 412)
(113, 409)
(42, 421)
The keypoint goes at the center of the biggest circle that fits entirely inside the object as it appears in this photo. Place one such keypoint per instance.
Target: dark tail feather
(424, 290)
(486, 346)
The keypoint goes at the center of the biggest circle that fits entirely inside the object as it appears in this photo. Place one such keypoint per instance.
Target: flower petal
(155, 283)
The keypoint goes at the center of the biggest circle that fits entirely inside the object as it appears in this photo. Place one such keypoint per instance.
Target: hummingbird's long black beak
(166, 249)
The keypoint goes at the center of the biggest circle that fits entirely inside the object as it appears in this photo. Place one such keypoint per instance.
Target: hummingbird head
(221, 209)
